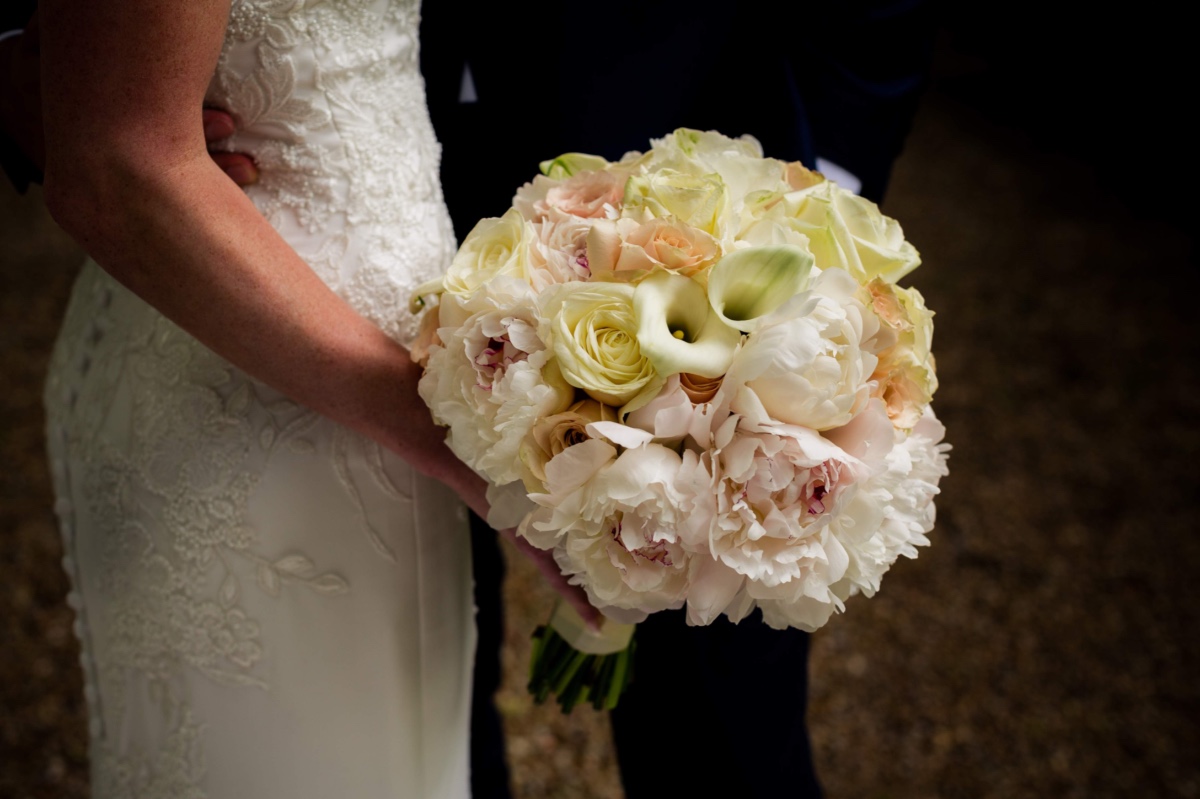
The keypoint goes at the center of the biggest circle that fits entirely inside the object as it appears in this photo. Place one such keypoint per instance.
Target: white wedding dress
(268, 604)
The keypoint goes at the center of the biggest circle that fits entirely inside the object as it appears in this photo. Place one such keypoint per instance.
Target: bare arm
(128, 175)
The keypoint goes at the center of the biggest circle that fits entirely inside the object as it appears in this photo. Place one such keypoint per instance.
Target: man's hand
(239, 167)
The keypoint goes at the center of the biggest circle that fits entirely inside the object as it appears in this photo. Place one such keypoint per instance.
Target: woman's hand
(473, 490)
(544, 561)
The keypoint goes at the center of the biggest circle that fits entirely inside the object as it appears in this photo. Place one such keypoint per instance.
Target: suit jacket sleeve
(862, 72)
(14, 14)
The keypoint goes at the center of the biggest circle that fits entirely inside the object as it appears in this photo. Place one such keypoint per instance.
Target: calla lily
(677, 330)
(570, 164)
(748, 284)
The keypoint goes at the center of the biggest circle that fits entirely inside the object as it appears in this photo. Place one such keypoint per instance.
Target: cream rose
(552, 435)
(739, 162)
(592, 330)
(494, 248)
(844, 231)
(699, 201)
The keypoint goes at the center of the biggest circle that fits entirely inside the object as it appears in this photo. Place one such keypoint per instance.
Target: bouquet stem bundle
(577, 664)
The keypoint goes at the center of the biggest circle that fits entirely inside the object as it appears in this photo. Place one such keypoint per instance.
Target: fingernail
(216, 128)
(242, 174)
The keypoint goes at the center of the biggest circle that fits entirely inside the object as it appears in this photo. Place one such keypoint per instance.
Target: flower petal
(748, 284)
(677, 331)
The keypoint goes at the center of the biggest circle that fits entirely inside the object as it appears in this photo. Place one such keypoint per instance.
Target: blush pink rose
(587, 195)
(626, 246)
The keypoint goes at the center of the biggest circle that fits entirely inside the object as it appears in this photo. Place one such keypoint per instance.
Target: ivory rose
(593, 332)
(699, 201)
(844, 231)
(739, 162)
(494, 248)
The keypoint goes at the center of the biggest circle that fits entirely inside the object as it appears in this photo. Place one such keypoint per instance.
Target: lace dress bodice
(269, 604)
(329, 101)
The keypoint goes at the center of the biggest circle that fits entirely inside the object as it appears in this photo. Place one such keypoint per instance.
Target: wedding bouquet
(693, 376)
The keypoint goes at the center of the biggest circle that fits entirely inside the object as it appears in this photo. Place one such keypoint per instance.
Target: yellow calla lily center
(677, 330)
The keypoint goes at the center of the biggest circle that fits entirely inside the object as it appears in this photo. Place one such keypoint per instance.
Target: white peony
(610, 516)
(776, 492)
(805, 365)
(887, 516)
(490, 381)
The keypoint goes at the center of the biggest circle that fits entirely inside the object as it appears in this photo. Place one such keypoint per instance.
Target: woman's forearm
(185, 239)
(128, 175)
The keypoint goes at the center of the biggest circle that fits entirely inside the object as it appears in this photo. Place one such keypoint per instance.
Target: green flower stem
(574, 677)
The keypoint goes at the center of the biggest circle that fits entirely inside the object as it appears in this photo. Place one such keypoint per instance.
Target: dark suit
(20, 171)
(836, 79)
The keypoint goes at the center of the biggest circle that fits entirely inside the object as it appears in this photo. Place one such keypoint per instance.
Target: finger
(546, 564)
(575, 596)
(578, 600)
(217, 125)
(240, 168)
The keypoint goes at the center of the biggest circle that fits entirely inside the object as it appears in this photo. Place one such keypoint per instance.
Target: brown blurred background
(1046, 645)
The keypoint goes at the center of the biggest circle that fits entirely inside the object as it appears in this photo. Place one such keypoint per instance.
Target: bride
(264, 529)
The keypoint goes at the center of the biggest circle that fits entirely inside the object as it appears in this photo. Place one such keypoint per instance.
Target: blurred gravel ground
(1045, 646)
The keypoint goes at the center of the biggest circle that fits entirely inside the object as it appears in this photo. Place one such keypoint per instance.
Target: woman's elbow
(83, 193)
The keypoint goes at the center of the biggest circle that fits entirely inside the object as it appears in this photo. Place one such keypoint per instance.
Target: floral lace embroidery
(330, 103)
(347, 150)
